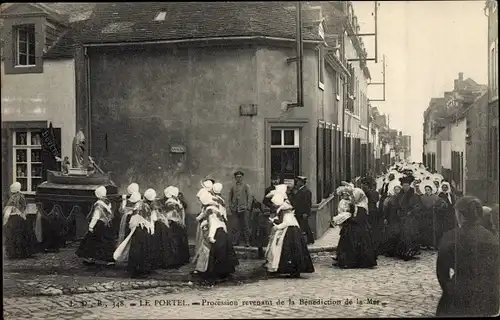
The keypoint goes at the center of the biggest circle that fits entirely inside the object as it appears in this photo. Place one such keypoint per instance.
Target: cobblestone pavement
(393, 289)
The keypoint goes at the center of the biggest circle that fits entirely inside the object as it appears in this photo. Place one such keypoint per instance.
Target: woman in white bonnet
(138, 246)
(126, 210)
(99, 243)
(20, 240)
(215, 258)
(173, 231)
(287, 251)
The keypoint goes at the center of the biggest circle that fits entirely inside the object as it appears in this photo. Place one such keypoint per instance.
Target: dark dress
(375, 218)
(175, 239)
(260, 226)
(446, 220)
(355, 248)
(295, 257)
(53, 225)
(410, 207)
(222, 260)
(100, 243)
(141, 259)
(428, 220)
(301, 200)
(19, 235)
(473, 290)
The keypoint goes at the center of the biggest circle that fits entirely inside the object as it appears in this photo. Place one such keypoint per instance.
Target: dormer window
(161, 16)
(25, 45)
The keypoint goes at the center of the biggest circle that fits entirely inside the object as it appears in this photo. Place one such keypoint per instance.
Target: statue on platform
(65, 165)
(79, 145)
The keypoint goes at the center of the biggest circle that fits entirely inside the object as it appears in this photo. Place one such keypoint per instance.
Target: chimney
(461, 76)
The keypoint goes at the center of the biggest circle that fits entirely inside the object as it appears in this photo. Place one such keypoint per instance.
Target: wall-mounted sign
(248, 110)
(177, 149)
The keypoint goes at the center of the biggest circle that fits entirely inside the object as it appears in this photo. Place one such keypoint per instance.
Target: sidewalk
(63, 273)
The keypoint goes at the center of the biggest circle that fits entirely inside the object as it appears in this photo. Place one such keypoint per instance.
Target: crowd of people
(398, 214)
(410, 209)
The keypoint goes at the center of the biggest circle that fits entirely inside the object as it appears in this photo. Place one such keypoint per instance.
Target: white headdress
(100, 192)
(169, 192)
(359, 198)
(135, 197)
(217, 188)
(150, 194)
(205, 197)
(392, 185)
(280, 200)
(133, 187)
(445, 183)
(15, 187)
(279, 189)
(208, 184)
(427, 183)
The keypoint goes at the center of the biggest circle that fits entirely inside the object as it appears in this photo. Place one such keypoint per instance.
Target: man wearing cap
(301, 200)
(240, 202)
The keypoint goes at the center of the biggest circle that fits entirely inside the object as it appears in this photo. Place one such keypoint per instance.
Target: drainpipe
(300, 54)
(89, 104)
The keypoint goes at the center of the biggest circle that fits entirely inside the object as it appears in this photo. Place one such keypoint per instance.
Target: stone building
(36, 91)
(455, 132)
(492, 151)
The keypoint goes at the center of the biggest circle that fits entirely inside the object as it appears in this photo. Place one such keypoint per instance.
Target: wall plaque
(248, 110)
(177, 149)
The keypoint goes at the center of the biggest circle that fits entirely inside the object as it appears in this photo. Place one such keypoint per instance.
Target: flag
(50, 150)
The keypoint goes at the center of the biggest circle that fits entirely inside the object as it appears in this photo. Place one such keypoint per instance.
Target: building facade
(36, 91)
(491, 11)
(455, 131)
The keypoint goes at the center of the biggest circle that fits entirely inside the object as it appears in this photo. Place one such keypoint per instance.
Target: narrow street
(393, 289)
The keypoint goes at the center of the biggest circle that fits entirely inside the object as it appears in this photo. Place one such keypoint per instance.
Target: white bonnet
(278, 199)
(150, 194)
(15, 187)
(100, 192)
(208, 184)
(205, 197)
(217, 187)
(171, 191)
(134, 197)
(133, 187)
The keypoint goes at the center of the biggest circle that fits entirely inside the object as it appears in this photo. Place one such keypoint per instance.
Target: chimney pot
(461, 76)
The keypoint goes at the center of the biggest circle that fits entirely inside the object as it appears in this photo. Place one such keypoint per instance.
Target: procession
(397, 215)
(259, 159)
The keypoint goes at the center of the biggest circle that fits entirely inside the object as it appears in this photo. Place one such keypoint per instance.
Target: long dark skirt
(162, 246)
(355, 248)
(427, 228)
(99, 244)
(377, 227)
(141, 255)
(53, 237)
(222, 260)
(180, 244)
(295, 257)
(20, 239)
(408, 245)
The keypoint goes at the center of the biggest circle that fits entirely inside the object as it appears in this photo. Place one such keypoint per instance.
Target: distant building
(450, 124)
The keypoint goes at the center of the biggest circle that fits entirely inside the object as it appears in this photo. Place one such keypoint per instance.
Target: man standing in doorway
(301, 200)
(240, 202)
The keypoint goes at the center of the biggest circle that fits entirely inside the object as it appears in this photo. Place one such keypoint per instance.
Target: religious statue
(79, 150)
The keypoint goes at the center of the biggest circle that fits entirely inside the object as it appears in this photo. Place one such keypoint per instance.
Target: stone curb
(311, 250)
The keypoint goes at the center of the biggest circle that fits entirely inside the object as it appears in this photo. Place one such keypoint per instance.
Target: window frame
(296, 138)
(29, 27)
(29, 163)
(321, 68)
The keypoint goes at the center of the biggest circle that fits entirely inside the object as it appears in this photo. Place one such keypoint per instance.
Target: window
(321, 75)
(25, 45)
(27, 161)
(285, 153)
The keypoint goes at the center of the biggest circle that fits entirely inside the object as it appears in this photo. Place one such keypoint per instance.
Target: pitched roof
(135, 22)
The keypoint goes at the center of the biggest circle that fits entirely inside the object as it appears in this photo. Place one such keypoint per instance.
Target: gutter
(198, 40)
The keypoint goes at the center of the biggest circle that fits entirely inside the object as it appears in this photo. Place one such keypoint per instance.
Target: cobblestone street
(395, 289)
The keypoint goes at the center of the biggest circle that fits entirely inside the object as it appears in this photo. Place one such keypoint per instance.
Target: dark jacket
(267, 201)
(473, 289)
(301, 200)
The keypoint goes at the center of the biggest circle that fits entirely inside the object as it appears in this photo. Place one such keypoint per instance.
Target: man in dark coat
(301, 200)
(384, 191)
(375, 219)
(467, 265)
